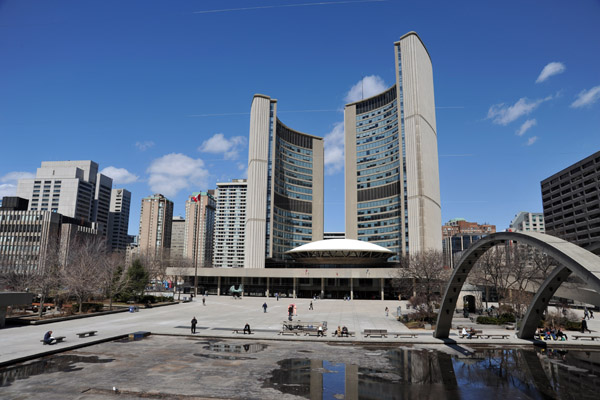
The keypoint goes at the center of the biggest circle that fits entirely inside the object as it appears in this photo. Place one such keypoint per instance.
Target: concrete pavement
(223, 314)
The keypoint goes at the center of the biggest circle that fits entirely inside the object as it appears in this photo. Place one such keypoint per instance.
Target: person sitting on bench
(338, 332)
(247, 329)
(561, 335)
(344, 331)
(320, 331)
(466, 333)
(48, 338)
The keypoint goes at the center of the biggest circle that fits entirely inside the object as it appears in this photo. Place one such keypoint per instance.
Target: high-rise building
(177, 237)
(72, 188)
(120, 203)
(230, 222)
(391, 166)
(528, 222)
(458, 235)
(155, 226)
(571, 201)
(285, 186)
(199, 228)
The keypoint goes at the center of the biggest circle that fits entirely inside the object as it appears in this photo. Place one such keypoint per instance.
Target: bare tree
(179, 267)
(113, 277)
(83, 266)
(422, 275)
(46, 277)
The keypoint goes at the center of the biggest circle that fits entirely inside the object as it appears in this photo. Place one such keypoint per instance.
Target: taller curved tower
(285, 186)
(392, 173)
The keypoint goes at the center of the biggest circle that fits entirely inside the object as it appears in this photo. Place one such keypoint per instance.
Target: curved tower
(392, 174)
(285, 186)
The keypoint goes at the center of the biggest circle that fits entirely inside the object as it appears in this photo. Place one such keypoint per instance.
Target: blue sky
(159, 92)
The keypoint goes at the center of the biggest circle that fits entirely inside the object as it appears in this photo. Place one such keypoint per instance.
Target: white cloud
(119, 175)
(587, 97)
(244, 170)
(173, 172)
(525, 127)
(218, 144)
(502, 114)
(6, 189)
(16, 175)
(553, 68)
(532, 140)
(366, 87)
(334, 149)
(143, 146)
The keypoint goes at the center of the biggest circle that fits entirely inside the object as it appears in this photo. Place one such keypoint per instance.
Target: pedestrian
(48, 338)
(204, 300)
(310, 307)
(387, 311)
(194, 322)
(586, 314)
(277, 296)
(290, 312)
(265, 306)
(591, 314)
(247, 329)
(584, 326)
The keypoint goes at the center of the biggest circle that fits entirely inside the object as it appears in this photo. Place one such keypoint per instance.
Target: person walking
(584, 326)
(265, 306)
(310, 306)
(387, 311)
(290, 312)
(586, 314)
(203, 300)
(194, 322)
(591, 314)
(277, 296)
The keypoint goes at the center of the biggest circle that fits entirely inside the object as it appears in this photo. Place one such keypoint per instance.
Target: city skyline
(161, 99)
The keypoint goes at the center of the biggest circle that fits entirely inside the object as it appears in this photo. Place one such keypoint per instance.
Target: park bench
(350, 334)
(238, 331)
(88, 333)
(475, 334)
(295, 332)
(406, 335)
(495, 336)
(57, 339)
(375, 332)
(575, 337)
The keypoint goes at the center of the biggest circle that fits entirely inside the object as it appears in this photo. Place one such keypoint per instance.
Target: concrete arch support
(571, 259)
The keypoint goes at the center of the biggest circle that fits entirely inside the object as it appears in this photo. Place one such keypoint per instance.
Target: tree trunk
(41, 309)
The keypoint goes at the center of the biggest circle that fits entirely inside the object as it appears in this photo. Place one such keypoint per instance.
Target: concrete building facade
(458, 235)
(72, 188)
(391, 159)
(528, 222)
(230, 221)
(177, 237)
(285, 186)
(155, 226)
(199, 229)
(571, 201)
(120, 204)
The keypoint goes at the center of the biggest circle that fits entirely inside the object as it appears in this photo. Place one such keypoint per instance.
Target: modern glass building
(392, 176)
(285, 186)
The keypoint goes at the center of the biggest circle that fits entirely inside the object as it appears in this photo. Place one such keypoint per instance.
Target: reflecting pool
(454, 374)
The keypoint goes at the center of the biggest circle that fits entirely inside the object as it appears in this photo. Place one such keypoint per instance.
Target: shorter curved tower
(285, 186)
(392, 174)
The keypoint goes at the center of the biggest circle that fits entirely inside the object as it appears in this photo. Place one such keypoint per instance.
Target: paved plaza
(221, 315)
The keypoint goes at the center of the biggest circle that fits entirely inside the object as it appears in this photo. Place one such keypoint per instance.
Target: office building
(199, 228)
(230, 222)
(120, 203)
(285, 186)
(458, 226)
(29, 240)
(177, 237)
(155, 226)
(391, 159)
(458, 235)
(528, 222)
(571, 201)
(72, 188)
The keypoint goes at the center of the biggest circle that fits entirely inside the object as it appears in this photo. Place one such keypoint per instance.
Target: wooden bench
(495, 336)
(350, 334)
(241, 331)
(295, 332)
(375, 332)
(57, 339)
(575, 337)
(88, 333)
(406, 335)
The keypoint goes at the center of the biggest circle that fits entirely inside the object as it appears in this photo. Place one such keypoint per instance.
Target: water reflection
(46, 365)
(235, 348)
(419, 374)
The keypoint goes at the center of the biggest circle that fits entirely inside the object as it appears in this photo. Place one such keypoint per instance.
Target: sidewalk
(223, 314)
